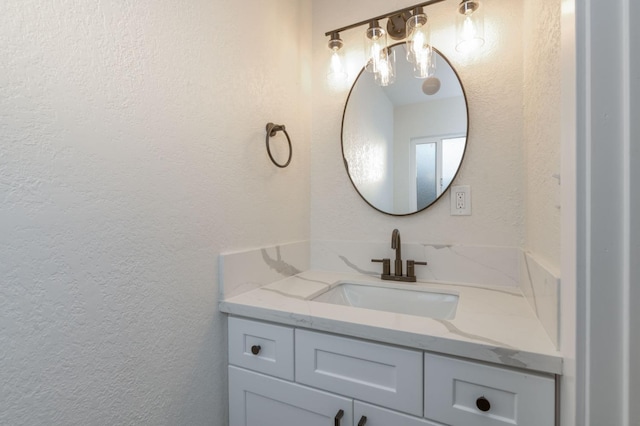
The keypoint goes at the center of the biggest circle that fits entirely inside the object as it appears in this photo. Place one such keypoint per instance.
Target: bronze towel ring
(272, 130)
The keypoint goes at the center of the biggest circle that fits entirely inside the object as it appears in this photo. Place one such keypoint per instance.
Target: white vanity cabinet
(285, 376)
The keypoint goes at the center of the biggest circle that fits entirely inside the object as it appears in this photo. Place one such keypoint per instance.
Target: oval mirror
(403, 144)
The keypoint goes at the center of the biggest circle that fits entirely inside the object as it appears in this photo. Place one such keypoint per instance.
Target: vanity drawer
(457, 392)
(262, 347)
(381, 374)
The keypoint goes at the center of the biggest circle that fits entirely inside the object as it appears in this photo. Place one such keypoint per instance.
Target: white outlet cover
(465, 191)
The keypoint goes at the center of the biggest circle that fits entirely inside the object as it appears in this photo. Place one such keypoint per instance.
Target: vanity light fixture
(470, 26)
(337, 71)
(413, 24)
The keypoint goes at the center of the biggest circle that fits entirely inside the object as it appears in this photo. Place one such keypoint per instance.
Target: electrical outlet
(461, 200)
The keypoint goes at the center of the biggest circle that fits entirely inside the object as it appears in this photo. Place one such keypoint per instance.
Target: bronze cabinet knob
(483, 404)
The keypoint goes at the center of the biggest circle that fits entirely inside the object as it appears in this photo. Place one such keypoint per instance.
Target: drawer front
(465, 393)
(383, 375)
(370, 415)
(273, 345)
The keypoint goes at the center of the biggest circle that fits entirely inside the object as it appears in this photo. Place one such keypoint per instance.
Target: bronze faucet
(397, 274)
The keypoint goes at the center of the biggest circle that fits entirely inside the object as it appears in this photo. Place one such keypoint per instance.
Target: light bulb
(425, 64)
(386, 73)
(417, 43)
(376, 58)
(337, 72)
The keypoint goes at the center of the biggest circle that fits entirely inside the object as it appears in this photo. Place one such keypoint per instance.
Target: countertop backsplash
(247, 270)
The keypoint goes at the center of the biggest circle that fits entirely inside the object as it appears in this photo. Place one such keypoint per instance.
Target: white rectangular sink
(392, 298)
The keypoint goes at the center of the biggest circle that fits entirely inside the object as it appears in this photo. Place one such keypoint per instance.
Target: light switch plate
(460, 200)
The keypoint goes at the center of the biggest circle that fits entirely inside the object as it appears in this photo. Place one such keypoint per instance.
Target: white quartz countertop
(492, 324)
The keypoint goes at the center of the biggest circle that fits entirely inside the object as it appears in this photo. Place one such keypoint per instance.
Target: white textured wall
(132, 154)
(494, 162)
(542, 119)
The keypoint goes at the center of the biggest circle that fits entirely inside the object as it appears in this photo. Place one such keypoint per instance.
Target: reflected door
(426, 153)
(435, 163)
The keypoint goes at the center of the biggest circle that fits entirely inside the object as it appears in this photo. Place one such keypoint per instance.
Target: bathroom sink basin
(400, 300)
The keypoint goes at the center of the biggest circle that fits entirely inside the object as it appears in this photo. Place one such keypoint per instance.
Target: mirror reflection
(403, 144)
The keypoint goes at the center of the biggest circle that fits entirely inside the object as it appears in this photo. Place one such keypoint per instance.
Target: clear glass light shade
(386, 73)
(375, 48)
(469, 26)
(419, 49)
(337, 70)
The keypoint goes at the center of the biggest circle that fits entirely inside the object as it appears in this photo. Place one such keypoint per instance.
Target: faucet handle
(386, 265)
(411, 269)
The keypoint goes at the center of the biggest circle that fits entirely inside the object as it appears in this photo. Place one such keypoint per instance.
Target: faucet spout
(396, 245)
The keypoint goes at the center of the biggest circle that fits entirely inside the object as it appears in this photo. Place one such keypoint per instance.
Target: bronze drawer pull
(483, 404)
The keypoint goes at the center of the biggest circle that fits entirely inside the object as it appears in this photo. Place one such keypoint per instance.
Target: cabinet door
(370, 415)
(259, 400)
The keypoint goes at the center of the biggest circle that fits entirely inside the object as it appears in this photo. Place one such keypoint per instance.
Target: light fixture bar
(386, 15)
